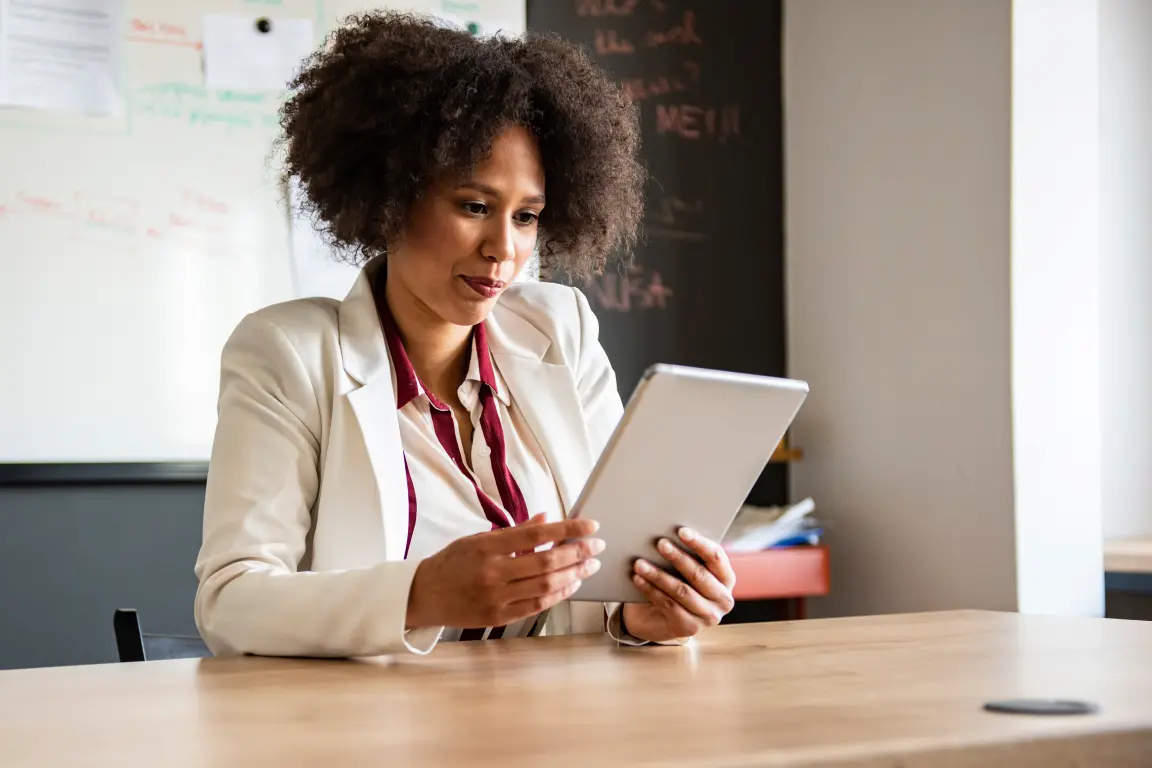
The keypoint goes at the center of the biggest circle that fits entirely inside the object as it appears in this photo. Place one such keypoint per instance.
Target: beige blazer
(307, 508)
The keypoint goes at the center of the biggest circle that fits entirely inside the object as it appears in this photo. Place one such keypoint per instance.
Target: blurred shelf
(788, 572)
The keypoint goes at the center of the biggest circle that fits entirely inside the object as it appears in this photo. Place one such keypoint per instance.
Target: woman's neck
(439, 351)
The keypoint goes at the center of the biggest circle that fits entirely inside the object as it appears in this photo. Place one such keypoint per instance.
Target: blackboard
(706, 286)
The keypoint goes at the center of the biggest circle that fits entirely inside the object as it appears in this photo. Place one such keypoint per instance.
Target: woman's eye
(476, 209)
(527, 217)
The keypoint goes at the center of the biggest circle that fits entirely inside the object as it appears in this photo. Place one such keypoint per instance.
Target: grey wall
(71, 556)
(897, 118)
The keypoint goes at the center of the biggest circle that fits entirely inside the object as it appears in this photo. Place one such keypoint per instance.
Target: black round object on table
(1042, 707)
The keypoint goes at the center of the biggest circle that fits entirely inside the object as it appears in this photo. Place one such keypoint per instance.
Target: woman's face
(466, 241)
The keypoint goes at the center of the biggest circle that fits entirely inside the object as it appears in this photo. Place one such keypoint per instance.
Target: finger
(697, 574)
(714, 556)
(522, 609)
(525, 537)
(680, 591)
(681, 622)
(531, 564)
(534, 520)
(551, 582)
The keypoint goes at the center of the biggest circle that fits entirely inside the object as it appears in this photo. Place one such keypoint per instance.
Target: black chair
(133, 645)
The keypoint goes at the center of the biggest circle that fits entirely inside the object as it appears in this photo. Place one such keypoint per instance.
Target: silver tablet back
(689, 448)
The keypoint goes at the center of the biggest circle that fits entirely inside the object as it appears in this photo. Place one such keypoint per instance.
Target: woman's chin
(468, 312)
(469, 308)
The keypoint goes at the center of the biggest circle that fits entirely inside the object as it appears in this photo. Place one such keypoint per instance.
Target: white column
(1055, 307)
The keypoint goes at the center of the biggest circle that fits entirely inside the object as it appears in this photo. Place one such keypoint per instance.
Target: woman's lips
(487, 288)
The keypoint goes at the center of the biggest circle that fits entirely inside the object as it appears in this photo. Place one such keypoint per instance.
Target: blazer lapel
(365, 358)
(546, 395)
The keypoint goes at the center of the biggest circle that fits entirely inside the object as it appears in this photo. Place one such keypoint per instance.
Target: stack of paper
(757, 528)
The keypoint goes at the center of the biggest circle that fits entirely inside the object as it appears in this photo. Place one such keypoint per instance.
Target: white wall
(901, 280)
(1126, 265)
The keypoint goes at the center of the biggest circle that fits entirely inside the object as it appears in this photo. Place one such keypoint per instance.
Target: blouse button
(485, 451)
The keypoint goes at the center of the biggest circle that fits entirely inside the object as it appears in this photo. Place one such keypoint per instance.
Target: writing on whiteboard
(197, 106)
(142, 30)
(194, 215)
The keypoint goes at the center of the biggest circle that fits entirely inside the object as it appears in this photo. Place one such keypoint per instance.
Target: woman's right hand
(494, 578)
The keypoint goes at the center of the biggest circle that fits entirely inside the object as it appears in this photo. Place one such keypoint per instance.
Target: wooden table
(878, 691)
(1128, 564)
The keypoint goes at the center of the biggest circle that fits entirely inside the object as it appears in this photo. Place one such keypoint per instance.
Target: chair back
(132, 644)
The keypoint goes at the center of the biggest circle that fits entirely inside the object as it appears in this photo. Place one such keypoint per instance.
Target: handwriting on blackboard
(689, 121)
(597, 8)
(640, 88)
(609, 41)
(606, 7)
(633, 290)
(683, 33)
(685, 117)
(674, 218)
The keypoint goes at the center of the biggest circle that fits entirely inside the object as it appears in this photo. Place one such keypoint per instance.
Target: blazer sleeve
(263, 482)
(603, 408)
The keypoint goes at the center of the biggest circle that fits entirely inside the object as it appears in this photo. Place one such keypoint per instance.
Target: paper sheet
(484, 17)
(61, 55)
(315, 270)
(237, 55)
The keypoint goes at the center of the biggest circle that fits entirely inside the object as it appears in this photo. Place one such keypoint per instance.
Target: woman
(394, 470)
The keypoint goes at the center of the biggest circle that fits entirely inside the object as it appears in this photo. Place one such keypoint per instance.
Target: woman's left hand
(681, 607)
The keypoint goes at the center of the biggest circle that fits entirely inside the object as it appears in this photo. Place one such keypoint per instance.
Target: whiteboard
(130, 247)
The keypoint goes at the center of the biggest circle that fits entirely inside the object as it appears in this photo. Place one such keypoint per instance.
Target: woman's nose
(500, 243)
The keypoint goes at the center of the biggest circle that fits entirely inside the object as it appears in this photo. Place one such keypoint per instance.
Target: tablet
(690, 446)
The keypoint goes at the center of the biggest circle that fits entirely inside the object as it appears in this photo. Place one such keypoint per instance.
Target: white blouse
(506, 481)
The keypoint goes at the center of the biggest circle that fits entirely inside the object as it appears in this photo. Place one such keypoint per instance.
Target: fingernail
(643, 567)
(687, 534)
(664, 546)
(595, 525)
(591, 566)
(596, 546)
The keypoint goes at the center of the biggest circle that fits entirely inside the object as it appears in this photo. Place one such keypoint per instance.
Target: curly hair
(392, 100)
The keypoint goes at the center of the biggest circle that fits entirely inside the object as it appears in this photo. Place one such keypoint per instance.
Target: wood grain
(877, 691)
(1132, 555)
